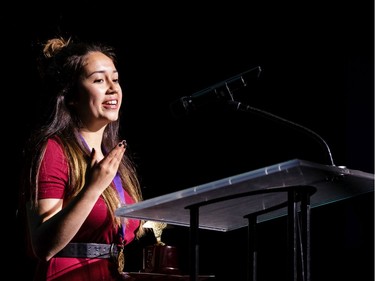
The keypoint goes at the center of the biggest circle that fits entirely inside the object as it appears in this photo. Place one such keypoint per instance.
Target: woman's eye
(98, 80)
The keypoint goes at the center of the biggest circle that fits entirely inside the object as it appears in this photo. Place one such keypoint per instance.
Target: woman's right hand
(102, 172)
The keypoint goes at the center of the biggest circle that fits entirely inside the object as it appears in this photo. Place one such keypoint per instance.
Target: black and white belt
(89, 250)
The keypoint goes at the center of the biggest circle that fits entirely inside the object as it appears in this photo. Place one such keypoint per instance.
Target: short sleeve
(53, 174)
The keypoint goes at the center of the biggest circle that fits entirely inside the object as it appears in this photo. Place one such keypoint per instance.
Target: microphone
(222, 91)
(247, 108)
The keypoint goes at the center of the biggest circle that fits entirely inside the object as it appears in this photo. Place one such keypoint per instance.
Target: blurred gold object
(157, 228)
(159, 257)
(120, 261)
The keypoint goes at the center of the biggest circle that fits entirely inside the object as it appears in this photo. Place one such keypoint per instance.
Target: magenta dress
(97, 228)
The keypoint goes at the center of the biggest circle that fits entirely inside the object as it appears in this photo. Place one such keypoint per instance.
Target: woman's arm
(52, 226)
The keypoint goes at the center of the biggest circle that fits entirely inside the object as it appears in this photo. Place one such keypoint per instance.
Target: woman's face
(99, 92)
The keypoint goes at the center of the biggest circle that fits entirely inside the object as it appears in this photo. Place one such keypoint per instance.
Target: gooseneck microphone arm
(224, 92)
(246, 108)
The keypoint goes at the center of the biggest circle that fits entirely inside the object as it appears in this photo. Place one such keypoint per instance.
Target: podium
(289, 189)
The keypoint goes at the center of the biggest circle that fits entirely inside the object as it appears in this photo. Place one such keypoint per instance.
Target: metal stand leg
(305, 223)
(252, 272)
(297, 203)
(292, 234)
(194, 244)
(252, 251)
(299, 234)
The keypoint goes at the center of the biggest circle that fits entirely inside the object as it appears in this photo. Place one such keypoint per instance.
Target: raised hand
(102, 172)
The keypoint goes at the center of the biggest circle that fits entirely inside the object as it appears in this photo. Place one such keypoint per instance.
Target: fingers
(118, 151)
(93, 158)
(102, 172)
(123, 143)
(114, 157)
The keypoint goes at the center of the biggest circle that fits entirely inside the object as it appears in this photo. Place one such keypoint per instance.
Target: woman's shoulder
(54, 146)
(54, 142)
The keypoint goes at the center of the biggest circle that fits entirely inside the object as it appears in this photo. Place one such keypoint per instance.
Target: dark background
(317, 61)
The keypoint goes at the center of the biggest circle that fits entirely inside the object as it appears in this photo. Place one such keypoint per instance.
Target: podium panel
(264, 188)
(289, 188)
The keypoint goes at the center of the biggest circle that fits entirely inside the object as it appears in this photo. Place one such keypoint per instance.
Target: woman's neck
(93, 140)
